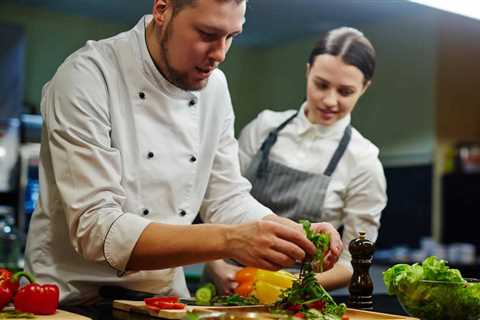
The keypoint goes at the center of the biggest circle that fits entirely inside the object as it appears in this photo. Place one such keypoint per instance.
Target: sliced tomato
(163, 303)
(299, 315)
(166, 305)
(161, 299)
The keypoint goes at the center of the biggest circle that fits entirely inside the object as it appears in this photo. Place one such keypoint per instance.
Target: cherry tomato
(299, 315)
(246, 274)
(244, 289)
(345, 317)
(295, 307)
(319, 305)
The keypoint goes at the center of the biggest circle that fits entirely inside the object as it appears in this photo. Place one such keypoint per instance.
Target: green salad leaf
(455, 299)
(320, 240)
(306, 295)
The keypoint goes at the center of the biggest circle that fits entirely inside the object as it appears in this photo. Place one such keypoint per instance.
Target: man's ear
(160, 9)
(307, 70)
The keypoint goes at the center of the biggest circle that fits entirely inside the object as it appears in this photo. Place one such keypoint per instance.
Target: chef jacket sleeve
(228, 198)
(248, 145)
(87, 168)
(363, 203)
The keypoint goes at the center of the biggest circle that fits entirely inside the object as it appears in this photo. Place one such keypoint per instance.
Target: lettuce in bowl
(453, 298)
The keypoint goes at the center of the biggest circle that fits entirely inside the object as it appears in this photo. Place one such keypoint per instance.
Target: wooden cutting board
(60, 315)
(139, 307)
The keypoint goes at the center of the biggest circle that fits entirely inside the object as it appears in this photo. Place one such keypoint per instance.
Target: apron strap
(268, 144)
(342, 146)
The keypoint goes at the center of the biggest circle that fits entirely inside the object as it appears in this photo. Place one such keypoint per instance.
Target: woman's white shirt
(356, 194)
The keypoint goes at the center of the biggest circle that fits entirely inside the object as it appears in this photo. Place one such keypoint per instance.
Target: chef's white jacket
(121, 148)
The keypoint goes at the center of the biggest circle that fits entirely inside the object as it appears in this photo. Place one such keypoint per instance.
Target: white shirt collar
(304, 126)
(149, 67)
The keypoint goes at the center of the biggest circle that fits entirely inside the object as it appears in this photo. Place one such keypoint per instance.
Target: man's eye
(207, 35)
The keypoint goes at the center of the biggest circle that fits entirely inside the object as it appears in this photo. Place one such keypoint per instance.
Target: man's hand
(336, 245)
(272, 243)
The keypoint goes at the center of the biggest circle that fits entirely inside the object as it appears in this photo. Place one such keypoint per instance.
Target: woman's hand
(336, 244)
(223, 275)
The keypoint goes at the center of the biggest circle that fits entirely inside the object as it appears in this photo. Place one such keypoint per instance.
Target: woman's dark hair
(349, 44)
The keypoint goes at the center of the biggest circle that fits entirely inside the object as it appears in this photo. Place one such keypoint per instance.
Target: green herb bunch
(306, 295)
(320, 240)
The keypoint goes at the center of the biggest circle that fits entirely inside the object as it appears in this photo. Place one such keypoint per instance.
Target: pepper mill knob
(361, 285)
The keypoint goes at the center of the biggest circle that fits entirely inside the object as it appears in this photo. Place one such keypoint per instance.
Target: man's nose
(219, 50)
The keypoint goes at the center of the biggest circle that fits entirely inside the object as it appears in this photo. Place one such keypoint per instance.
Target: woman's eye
(345, 92)
(321, 85)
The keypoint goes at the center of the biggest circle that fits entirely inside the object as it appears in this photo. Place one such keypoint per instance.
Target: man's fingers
(294, 252)
(295, 236)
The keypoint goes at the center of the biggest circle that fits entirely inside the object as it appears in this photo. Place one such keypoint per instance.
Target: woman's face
(333, 89)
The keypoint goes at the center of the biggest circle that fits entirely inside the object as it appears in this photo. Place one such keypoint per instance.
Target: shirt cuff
(256, 211)
(121, 239)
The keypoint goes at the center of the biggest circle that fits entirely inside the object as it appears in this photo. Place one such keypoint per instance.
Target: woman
(311, 163)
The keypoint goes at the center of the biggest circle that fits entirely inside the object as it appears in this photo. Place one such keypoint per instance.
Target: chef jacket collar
(149, 68)
(304, 126)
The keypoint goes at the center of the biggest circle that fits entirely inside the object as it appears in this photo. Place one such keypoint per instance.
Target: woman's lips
(326, 114)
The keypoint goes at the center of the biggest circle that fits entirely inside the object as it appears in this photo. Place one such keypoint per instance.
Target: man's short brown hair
(178, 5)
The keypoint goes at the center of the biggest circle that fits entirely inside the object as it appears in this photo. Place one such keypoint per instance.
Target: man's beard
(176, 77)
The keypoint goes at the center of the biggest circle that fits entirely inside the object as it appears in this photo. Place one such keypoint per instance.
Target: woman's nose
(330, 99)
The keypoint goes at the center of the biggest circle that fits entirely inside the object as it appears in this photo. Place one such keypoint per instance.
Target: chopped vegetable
(234, 300)
(204, 294)
(164, 303)
(14, 314)
(306, 296)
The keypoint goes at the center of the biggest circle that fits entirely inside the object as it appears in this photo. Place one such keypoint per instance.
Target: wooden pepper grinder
(361, 285)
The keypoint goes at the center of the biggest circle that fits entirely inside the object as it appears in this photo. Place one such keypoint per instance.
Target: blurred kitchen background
(423, 110)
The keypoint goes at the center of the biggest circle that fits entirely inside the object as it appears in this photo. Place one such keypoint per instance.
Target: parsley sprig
(306, 291)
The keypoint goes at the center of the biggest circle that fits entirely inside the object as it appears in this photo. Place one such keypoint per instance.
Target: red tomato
(246, 274)
(319, 305)
(295, 307)
(157, 303)
(161, 299)
(345, 317)
(299, 315)
(165, 305)
(244, 289)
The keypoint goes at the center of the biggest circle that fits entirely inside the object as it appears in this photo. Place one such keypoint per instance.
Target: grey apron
(289, 192)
